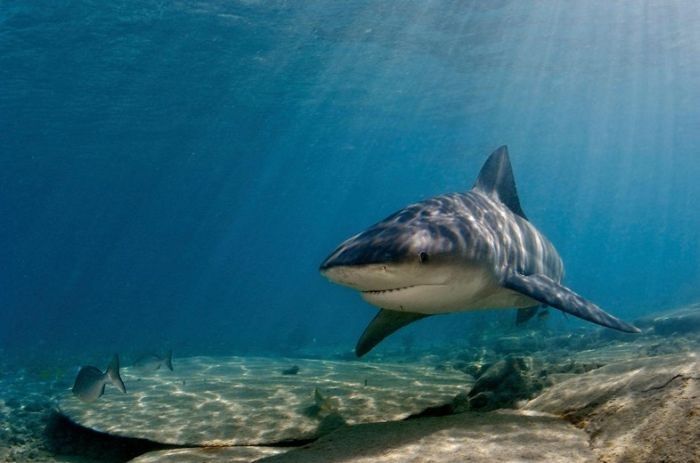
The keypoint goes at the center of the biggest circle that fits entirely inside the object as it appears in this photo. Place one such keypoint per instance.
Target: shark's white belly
(470, 288)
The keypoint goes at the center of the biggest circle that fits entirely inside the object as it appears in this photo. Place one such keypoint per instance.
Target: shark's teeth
(390, 290)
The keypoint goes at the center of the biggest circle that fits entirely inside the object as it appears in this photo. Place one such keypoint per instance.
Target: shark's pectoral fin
(549, 292)
(381, 326)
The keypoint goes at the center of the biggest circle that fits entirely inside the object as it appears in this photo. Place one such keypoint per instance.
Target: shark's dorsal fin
(496, 179)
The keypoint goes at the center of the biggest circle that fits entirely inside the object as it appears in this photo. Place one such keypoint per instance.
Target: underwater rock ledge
(636, 410)
(640, 410)
(634, 399)
(473, 437)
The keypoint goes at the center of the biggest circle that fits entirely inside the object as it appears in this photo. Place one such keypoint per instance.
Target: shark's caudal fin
(113, 374)
(549, 292)
(381, 326)
(496, 179)
(169, 360)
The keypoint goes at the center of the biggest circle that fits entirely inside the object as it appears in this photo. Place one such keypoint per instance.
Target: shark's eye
(423, 256)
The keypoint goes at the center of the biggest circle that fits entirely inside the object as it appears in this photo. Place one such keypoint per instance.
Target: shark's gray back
(472, 227)
(504, 239)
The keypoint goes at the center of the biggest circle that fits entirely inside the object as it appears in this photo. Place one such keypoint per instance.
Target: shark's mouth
(390, 290)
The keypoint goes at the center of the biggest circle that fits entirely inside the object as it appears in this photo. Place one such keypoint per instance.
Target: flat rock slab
(639, 410)
(625, 378)
(210, 454)
(248, 401)
(469, 437)
(683, 320)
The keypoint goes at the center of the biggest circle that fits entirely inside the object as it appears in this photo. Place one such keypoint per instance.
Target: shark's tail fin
(113, 374)
(169, 359)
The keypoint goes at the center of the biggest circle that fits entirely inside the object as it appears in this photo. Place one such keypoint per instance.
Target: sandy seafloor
(608, 396)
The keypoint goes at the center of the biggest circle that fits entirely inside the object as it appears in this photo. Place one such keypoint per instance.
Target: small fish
(291, 370)
(154, 361)
(322, 406)
(90, 382)
(325, 404)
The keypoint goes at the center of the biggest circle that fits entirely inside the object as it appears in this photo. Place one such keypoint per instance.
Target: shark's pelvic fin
(381, 326)
(547, 291)
(524, 315)
(496, 179)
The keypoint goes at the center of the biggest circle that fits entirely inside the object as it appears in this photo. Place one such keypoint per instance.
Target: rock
(475, 370)
(572, 366)
(639, 410)
(35, 407)
(504, 383)
(293, 370)
(666, 347)
(246, 401)
(611, 352)
(487, 400)
(685, 320)
(572, 341)
(474, 355)
(608, 335)
(210, 454)
(525, 343)
(473, 437)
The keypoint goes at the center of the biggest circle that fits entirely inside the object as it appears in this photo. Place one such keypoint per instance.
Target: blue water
(173, 173)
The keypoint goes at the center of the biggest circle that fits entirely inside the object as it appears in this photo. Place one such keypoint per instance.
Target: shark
(458, 252)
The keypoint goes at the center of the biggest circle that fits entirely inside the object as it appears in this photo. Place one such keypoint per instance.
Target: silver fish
(90, 382)
(154, 361)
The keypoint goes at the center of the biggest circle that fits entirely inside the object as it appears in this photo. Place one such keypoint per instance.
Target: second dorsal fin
(496, 179)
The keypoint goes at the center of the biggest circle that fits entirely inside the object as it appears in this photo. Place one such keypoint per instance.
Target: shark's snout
(382, 261)
(336, 259)
(356, 265)
(355, 258)
(368, 248)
